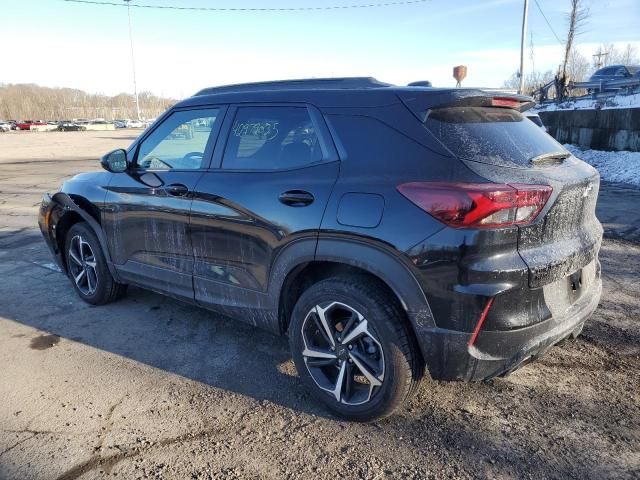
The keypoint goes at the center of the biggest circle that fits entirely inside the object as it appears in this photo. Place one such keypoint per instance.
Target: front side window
(179, 142)
(271, 138)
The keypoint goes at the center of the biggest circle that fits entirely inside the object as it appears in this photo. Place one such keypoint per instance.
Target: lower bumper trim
(450, 357)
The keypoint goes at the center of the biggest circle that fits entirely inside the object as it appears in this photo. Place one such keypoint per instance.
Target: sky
(61, 44)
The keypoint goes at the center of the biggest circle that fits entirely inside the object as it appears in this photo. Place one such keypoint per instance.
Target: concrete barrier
(612, 129)
(43, 128)
(100, 126)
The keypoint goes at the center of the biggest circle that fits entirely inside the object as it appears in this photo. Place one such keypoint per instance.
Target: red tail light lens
(478, 205)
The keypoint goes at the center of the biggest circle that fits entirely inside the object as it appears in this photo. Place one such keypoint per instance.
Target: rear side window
(271, 138)
(498, 136)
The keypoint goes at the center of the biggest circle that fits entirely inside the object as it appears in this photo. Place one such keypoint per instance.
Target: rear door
(271, 177)
(146, 218)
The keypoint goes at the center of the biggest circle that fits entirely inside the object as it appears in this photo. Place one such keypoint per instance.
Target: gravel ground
(153, 388)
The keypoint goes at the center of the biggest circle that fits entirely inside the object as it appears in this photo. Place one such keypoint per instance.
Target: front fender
(63, 203)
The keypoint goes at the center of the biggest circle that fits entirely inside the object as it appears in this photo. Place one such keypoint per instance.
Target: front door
(147, 208)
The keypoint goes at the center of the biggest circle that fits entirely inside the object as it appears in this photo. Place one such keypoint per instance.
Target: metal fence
(608, 85)
(601, 89)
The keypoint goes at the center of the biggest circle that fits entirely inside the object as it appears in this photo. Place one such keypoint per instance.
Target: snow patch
(623, 167)
(617, 101)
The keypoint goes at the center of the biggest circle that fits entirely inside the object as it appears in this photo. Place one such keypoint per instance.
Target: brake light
(505, 102)
(478, 205)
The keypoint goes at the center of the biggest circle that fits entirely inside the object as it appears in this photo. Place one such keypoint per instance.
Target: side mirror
(115, 161)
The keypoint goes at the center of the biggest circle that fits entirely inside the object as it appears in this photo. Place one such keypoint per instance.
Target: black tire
(386, 324)
(90, 258)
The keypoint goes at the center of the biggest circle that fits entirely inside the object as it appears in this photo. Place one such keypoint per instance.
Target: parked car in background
(535, 118)
(135, 124)
(615, 72)
(120, 123)
(27, 124)
(5, 126)
(384, 229)
(69, 126)
(185, 131)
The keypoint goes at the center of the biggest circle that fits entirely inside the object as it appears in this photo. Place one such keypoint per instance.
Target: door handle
(176, 189)
(296, 198)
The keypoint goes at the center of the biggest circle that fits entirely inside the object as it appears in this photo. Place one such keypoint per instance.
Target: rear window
(497, 136)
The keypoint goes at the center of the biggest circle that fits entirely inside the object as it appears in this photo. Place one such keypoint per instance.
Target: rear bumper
(449, 357)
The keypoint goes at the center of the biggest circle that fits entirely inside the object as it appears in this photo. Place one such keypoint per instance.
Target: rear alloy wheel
(87, 267)
(352, 346)
(341, 353)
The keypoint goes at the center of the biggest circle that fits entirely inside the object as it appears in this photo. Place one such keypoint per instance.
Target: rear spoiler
(421, 101)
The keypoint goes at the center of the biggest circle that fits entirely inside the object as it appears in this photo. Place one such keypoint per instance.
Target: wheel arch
(341, 256)
(72, 209)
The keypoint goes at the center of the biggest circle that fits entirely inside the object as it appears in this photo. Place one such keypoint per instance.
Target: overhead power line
(548, 23)
(251, 9)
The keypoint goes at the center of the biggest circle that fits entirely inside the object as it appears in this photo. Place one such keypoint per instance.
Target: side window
(270, 138)
(179, 142)
(620, 72)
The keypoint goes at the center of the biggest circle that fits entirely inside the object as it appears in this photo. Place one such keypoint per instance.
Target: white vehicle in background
(5, 126)
(135, 124)
(535, 118)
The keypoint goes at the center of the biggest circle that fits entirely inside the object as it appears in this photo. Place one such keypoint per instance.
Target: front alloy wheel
(87, 267)
(82, 265)
(341, 353)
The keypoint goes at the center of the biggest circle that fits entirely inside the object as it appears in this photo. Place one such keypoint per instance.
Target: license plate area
(563, 293)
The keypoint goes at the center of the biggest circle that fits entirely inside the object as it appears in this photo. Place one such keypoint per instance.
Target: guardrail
(603, 85)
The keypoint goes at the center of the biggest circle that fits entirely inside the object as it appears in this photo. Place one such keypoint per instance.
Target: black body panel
(231, 238)
(147, 228)
(239, 227)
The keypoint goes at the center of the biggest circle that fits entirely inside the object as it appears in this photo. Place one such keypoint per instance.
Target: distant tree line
(33, 102)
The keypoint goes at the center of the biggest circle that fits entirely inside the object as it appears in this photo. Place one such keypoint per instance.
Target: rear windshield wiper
(551, 157)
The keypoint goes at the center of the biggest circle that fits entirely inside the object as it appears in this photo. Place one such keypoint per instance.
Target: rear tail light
(478, 205)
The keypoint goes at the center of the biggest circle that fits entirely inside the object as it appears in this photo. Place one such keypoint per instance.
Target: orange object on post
(459, 73)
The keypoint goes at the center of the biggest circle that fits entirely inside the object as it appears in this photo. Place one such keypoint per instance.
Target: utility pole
(133, 61)
(600, 54)
(524, 35)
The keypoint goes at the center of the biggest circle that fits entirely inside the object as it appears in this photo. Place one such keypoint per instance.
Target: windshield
(498, 136)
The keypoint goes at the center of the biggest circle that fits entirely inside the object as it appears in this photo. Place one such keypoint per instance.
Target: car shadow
(149, 328)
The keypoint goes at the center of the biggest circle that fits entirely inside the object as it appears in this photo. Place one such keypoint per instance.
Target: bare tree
(576, 18)
(532, 81)
(613, 56)
(578, 66)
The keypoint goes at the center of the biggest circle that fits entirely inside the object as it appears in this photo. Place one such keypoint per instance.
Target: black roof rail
(301, 84)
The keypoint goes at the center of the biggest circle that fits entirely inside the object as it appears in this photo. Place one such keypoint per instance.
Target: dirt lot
(152, 388)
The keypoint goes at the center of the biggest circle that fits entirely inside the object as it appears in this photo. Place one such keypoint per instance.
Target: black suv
(383, 228)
